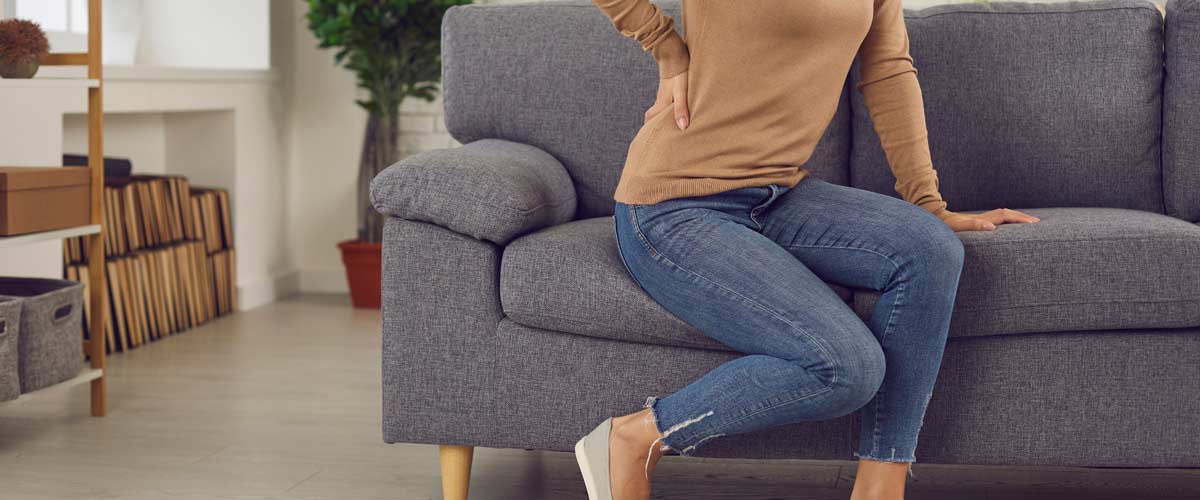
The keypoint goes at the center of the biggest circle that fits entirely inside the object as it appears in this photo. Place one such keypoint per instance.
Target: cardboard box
(36, 199)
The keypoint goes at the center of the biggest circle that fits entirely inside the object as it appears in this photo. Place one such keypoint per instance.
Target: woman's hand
(672, 93)
(986, 221)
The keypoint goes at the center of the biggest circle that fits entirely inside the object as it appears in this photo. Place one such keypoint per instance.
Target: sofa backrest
(558, 75)
(1033, 105)
(1181, 113)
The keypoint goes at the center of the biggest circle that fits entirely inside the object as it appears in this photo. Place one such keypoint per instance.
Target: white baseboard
(267, 290)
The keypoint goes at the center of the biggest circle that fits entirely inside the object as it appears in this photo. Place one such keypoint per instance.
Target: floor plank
(282, 403)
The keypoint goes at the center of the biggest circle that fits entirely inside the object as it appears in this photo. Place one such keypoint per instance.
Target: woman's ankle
(878, 480)
(638, 431)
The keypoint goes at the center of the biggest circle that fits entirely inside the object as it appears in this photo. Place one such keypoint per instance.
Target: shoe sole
(586, 468)
(589, 451)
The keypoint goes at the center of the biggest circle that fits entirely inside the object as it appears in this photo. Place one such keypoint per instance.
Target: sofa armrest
(490, 189)
(441, 307)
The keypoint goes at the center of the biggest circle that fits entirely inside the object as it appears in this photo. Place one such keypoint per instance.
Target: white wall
(207, 34)
(139, 137)
(325, 138)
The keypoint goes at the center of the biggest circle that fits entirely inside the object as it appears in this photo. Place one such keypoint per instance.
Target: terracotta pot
(22, 69)
(363, 270)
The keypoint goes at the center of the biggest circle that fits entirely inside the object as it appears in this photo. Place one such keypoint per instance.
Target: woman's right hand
(672, 93)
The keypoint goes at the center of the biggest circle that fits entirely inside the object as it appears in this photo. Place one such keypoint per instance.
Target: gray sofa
(509, 321)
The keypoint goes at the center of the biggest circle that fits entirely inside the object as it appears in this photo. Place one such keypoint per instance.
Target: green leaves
(393, 46)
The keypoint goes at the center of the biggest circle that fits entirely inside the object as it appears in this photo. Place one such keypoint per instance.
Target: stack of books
(169, 258)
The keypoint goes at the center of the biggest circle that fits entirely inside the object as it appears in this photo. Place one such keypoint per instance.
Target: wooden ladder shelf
(93, 233)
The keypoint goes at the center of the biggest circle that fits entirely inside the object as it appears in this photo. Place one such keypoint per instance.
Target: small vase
(22, 69)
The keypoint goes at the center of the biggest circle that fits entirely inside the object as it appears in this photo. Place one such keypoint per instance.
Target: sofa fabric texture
(490, 189)
(1033, 105)
(581, 98)
(441, 291)
(1112, 398)
(1181, 113)
(1076, 269)
(509, 320)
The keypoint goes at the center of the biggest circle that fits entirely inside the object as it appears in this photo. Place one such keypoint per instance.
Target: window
(65, 21)
(54, 15)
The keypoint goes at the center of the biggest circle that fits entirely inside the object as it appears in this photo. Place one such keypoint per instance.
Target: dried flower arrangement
(22, 45)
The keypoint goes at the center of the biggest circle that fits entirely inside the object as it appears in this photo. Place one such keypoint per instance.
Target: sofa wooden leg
(456, 470)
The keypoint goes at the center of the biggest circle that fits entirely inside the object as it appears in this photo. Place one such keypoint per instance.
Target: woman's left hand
(987, 221)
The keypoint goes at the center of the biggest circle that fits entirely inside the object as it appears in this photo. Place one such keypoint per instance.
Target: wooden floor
(283, 402)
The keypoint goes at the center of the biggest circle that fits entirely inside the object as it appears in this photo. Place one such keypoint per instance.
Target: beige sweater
(764, 80)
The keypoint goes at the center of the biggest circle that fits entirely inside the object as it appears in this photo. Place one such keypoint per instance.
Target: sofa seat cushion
(570, 278)
(1076, 269)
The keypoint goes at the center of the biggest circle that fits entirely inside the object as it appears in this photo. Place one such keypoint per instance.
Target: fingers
(1005, 215)
(1018, 216)
(988, 221)
(679, 97)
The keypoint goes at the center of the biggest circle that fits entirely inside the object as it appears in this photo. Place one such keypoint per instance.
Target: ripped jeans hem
(908, 461)
(883, 459)
(677, 448)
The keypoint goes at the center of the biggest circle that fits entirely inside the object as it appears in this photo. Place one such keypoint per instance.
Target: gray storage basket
(51, 340)
(10, 328)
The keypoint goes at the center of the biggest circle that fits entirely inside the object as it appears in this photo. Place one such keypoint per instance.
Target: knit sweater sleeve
(893, 98)
(649, 26)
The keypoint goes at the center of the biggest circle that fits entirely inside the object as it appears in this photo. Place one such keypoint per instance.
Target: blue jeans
(748, 268)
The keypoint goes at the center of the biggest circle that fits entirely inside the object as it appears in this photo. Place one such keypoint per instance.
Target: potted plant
(394, 48)
(22, 45)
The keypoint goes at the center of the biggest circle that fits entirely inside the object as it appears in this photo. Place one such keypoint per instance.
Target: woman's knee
(932, 244)
(947, 249)
(860, 372)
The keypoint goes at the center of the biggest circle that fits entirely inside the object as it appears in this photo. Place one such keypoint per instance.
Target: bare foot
(631, 442)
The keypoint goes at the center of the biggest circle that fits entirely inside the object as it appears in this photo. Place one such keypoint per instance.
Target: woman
(717, 220)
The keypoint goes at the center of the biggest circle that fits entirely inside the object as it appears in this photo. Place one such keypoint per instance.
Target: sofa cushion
(1181, 106)
(1076, 269)
(490, 189)
(1033, 105)
(580, 98)
(570, 278)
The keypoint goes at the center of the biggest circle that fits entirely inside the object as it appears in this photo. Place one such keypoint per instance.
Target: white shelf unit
(85, 376)
(57, 234)
(83, 83)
